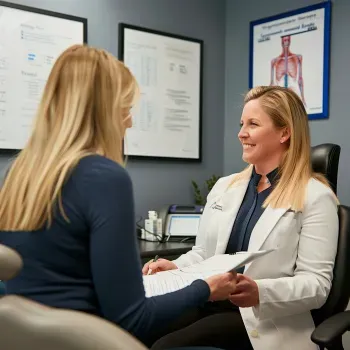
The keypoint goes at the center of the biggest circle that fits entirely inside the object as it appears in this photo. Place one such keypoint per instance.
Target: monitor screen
(184, 224)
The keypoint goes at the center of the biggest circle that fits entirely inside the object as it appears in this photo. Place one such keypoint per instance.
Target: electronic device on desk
(180, 222)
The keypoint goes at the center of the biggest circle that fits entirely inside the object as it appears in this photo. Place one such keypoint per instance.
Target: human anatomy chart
(292, 50)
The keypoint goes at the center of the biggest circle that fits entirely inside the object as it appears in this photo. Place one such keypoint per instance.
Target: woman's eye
(251, 123)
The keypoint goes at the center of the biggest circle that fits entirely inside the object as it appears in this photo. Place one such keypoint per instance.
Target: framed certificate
(30, 42)
(167, 120)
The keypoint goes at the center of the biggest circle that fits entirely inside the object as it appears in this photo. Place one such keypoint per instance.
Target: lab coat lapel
(264, 226)
(231, 202)
(262, 229)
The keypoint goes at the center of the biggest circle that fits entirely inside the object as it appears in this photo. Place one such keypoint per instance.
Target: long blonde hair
(87, 96)
(286, 110)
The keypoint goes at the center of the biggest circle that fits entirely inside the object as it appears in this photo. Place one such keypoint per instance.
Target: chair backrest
(339, 295)
(25, 324)
(325, 160)
(10, 263)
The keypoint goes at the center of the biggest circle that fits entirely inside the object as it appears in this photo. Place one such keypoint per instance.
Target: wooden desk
(166, 250)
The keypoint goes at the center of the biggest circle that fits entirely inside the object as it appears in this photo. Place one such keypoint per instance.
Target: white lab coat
(292, 280)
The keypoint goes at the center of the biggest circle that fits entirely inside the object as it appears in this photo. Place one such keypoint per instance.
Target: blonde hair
(87, 96)
(286, 110)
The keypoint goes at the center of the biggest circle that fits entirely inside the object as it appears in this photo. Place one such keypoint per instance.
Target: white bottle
(153, 224)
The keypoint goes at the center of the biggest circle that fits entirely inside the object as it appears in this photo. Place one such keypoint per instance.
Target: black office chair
(331, 321)
(325, 160)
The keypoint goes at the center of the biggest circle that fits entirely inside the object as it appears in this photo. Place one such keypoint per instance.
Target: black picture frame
(121, 50)
(84, 21)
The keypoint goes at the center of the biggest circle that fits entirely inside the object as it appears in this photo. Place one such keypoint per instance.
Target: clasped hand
(246, 293)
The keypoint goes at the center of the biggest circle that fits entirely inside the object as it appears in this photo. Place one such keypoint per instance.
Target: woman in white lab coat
(279, 203)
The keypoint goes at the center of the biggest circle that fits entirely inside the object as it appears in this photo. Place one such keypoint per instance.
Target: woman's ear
(128, 121)
(285, 135)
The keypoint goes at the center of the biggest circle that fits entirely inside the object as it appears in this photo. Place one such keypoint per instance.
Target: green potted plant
(199, 197)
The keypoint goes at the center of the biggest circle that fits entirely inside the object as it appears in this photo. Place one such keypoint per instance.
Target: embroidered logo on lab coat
(216, 206)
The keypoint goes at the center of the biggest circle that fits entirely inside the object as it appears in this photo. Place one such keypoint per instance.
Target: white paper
(29, 46)
(172, 280)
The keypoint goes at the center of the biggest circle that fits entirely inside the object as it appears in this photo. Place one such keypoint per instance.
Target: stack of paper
(172, 280)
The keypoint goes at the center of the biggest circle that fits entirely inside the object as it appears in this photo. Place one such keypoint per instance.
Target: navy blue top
(92, 263)
(249, 213)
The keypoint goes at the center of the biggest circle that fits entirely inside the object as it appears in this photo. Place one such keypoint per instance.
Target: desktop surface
(166, 250)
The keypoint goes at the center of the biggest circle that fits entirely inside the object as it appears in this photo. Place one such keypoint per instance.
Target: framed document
(30, 42)
(168, 115)
(292, 50)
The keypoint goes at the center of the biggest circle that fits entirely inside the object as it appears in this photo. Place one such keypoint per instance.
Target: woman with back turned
(67, 203)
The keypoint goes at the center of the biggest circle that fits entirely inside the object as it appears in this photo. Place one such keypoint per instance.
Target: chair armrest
(331, 329)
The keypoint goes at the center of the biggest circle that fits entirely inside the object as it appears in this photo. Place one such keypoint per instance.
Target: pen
(154, 260)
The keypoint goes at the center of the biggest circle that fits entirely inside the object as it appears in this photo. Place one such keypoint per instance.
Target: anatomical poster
(292, 50)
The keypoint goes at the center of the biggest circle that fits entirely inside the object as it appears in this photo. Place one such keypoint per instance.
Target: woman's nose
(242, 133)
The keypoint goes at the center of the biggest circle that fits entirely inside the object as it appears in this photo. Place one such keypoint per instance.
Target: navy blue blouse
(249, 213)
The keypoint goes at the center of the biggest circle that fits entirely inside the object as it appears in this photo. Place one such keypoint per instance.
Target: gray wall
(336, 128)
(156, 183)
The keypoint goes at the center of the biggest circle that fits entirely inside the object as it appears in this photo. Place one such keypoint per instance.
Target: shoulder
(222, 184)
(225, 180)
(318, 193)
(316, 189)
(96, 170)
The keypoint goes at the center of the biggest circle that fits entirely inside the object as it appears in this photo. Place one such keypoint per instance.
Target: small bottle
(151, 222)
(154, 224)
(157, 222)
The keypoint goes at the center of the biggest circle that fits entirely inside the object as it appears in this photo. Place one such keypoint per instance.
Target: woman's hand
(159, 265)
(221, 286)
(246, 293)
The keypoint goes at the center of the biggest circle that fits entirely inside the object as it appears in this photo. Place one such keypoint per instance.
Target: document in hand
(172, 280)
